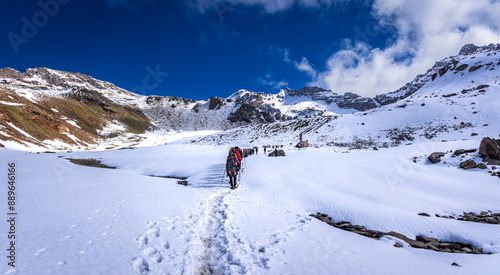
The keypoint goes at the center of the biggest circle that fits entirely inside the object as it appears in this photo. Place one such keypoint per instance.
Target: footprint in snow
(139, 265)
(105, 233)
(155, 232)
(165, 244)
(40, 252)
(83, 252)
(10, 272)
(61, 263)
(98, 211)
(73, 226)
(108, 226)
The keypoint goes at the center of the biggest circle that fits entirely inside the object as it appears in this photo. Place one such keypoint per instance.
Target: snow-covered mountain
(31, 103)
(458, 97)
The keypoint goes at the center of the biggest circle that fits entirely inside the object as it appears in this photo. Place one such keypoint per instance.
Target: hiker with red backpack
(233, 164)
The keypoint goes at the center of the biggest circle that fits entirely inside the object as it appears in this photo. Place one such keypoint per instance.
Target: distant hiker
(232, 169)
(276, 152)
(256, 150)
(265, 150)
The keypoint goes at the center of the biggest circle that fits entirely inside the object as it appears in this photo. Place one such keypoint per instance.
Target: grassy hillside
(76, 118)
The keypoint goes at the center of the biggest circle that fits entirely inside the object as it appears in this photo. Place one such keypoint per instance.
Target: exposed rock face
(244, 113)
(346, 101)
(490, 148)
(436, 157)
(215, 103)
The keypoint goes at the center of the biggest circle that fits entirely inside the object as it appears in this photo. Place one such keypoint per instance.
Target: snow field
(73, 217)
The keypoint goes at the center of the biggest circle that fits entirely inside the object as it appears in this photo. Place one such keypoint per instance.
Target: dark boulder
(435, 157)
(302, 144)
(281, 153)
(461, 67)
(490, 148)
(468, 164)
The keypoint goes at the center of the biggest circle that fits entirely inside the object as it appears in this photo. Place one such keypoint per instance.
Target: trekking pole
(222, 179)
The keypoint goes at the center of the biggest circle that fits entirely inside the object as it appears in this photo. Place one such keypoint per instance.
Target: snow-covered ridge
(438, 70)
(45, 80)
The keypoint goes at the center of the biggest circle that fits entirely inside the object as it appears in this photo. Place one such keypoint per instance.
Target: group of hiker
(234, 161)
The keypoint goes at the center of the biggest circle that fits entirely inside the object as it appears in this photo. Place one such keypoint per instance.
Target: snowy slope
(83, 220)
(33, 82)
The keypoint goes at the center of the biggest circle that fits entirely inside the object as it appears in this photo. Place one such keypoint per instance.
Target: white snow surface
(84, 220)
(11, 103)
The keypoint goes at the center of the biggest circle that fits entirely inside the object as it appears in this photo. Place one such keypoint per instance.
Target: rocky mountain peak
(470, 49)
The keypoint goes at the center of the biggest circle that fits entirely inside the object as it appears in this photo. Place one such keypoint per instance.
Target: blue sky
(202, 48)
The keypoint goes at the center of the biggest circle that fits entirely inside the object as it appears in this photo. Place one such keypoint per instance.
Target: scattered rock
(455, 264)
(398, 245)
(281, 153)
(468, 164)
(463, 151)
(482, 166)
(474, 134)
(436, 157)
(182, 182)
(450, 95)
(424, 214)
(474, 68)
(482, 87)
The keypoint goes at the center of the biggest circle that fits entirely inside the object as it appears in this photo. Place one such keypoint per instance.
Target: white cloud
(305, 66)
(267, 81)
(427, 31)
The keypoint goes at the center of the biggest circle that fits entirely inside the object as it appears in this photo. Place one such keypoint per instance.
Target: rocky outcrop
(245, 113)
(483, 217)
(490, 148)
(420, 242)
(215, 103)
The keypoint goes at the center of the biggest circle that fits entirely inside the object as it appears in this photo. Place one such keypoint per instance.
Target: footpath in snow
(129, 220)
